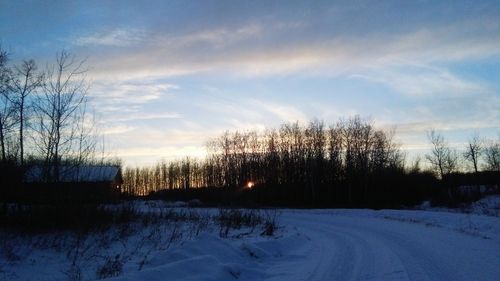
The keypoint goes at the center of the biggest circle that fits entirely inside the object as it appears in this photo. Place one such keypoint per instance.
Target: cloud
(121, 102)
(216, 38)
(453, 113)
(119, 37)
(243, 112)
(149, 144)
(276, 48)
(132, 91)
(423, 81)
(440, 125)
(116, 130)
(140, 155)
(229, 107)
(162, 152)
(148, 116)
(124, 100)
(285, 113)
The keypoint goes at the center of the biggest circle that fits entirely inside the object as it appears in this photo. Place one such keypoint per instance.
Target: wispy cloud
(116, 130)
(132, 91)
(121, 102)
(448, 125)
(148, 116)
(412, 63)
(423, 81)
(149, 144)
(139, 156)
(285, 113)
(243, 112)
(125, 100)
(119, 37)
(215, 38)
(452, 113)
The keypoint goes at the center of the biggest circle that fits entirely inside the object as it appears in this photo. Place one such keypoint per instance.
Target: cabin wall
(72, 192)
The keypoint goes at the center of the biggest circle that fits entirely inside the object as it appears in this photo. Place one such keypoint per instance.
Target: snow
(309, 245)
(489, 205)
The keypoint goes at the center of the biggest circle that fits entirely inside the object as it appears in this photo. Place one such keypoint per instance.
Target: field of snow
(309, 245)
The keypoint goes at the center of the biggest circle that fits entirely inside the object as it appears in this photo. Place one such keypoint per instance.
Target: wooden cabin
(81, 183)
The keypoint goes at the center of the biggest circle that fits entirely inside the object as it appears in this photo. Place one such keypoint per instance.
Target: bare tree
(334, 148)
(415, 165)
(26, 81)
(473, 151)
(60, 113)
(443, 159)
(86, 136)
(492, 156)
(7, 108)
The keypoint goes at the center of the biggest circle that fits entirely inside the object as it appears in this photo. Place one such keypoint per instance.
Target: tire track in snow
(367, 248)
(351, 256)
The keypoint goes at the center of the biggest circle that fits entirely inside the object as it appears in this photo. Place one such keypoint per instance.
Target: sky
(166, 76)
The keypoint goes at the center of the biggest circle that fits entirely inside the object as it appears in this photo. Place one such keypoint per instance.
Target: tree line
(347, 163)
(313, 164)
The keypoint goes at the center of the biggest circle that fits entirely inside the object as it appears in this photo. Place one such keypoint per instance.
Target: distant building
(86, 182)
(470, 186)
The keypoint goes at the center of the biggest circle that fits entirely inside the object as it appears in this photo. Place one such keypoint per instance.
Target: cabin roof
(85, 173)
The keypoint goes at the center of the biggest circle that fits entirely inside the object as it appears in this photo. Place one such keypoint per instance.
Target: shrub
(270, 222)
(235, 219)
(112, 267)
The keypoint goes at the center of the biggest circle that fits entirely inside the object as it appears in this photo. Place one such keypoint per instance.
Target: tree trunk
(2, 141)
(21, 131)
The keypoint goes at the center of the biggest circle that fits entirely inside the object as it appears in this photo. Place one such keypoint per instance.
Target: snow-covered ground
(309, 245)
(489, 206)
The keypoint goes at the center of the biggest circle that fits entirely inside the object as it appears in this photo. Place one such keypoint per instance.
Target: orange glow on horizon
(250, 184)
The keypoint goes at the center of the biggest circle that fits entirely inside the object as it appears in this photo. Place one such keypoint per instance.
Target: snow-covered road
(343, 245)
(362, 246)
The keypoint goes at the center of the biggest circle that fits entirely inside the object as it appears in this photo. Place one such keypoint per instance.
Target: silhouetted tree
(60, 112)
(442, 158)
(26, 80)
(8, 118)
(472, 153)
(492, 155)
